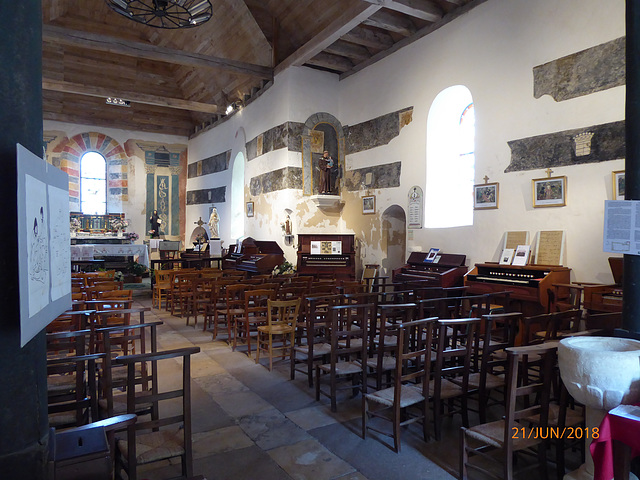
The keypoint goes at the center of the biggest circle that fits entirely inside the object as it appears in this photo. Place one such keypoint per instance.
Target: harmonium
(528, 284)
(447, 272)
(606, 298)
(327, 254)
(256, 256)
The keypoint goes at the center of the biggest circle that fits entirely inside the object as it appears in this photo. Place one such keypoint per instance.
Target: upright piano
(256, 256)
(448, 272)
(327, 253)
(528, 283)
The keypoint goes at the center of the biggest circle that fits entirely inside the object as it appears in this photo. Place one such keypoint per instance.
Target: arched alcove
(394, 238)
(322, 131)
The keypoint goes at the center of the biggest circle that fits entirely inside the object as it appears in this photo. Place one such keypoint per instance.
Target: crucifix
(486, 179)
(548, 172)
(199, 222)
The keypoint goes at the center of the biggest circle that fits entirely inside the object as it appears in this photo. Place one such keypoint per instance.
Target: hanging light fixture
(164, 13)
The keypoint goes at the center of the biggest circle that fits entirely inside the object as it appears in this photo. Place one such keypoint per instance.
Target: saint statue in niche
(214, 219)
(326, 164)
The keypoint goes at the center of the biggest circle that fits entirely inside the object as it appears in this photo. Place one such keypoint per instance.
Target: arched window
(450, 159)
(237, 197)
(93, 184)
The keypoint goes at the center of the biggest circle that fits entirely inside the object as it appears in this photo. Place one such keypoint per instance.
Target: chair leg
(464, 456)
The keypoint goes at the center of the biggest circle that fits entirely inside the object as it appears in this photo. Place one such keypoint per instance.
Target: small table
(618, 442)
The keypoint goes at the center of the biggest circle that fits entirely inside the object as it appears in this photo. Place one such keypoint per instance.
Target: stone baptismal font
(601, 373)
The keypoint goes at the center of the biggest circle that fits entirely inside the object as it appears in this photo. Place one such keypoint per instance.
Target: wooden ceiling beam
(332, 62)
(449, 17)
(424, 9)
(393, 23)
(349, 19)
(349, 50)
(121, 123)
(104, 43)
(91, 91)
(369, 38)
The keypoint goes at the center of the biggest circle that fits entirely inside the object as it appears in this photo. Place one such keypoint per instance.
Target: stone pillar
(23, 395)
(631, 306)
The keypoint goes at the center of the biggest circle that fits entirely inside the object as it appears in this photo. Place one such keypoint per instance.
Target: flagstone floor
(250, 423)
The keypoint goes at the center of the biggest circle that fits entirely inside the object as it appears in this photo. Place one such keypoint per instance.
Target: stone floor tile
(216, 385)
(246, 464)
(271, 429)
(241, 404)
(309, 460)
(321, 415)
(219, 441)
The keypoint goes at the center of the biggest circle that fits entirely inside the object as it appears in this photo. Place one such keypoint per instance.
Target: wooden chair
(349, 331)
(511, 435)
(498, 333)
(161, 286)
(383, 339)
(450, 384)
(314, 341)
(162, 443)
(71, 379)
(233, 307)
(255, 313)
(121, 341)
(278, 335)
(217, 300)
(412, 367)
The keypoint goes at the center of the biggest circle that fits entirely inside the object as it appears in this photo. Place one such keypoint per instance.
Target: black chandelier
(164, 13)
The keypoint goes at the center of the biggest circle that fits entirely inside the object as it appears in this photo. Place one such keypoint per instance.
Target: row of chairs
(106, 370)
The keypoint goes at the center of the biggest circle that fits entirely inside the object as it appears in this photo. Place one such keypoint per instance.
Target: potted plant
(137, 270)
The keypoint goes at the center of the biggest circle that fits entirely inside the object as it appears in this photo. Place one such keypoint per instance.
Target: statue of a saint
(287, 226)
(325, 164)
(155, 222)
(214, 219)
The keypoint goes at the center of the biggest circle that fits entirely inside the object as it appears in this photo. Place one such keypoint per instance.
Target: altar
(91, 251)
(91, 239)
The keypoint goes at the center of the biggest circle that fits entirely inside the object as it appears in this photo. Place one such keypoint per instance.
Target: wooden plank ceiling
(179, 81)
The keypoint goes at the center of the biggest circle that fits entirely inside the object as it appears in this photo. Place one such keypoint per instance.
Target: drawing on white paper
(37, 244)
(59, 234)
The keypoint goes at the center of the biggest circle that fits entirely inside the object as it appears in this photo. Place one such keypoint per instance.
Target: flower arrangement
(74, 224)
(137, 269)
(132, 236)
(284, 269)
(119, 223)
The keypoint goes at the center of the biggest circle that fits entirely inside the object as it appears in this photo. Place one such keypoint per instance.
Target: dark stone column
(631, 306)
(23, 394)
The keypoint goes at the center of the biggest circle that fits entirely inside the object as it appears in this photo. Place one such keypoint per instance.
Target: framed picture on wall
(549, 192)
(618, 184)
(369, 204)
(485, 196)
(249, 209)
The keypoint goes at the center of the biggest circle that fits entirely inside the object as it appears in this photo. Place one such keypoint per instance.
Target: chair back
(181, 437)
(283, 312)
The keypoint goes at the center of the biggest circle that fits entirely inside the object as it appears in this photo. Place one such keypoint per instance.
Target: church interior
(477, 147)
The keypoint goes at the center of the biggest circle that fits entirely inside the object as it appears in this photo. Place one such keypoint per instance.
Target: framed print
(618, 184)
(549, 192)
(249, 209)
(369, 204)
(485, 196)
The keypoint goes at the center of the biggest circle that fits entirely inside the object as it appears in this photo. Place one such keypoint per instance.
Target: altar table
(88, 252)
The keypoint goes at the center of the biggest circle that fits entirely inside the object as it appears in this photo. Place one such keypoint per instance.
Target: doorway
(394, 239)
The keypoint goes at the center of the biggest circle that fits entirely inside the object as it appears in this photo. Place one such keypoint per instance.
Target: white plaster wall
(135, 208)
(492, 50)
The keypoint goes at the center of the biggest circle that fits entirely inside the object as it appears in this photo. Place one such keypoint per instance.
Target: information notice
(622, 226)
